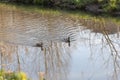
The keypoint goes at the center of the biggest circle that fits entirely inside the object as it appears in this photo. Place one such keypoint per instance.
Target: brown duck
(40, 45)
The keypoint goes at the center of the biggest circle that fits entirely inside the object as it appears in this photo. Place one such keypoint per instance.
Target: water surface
(64, 47)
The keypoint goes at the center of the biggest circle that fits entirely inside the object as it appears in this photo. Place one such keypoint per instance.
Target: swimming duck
(67, 41)
(40, 45)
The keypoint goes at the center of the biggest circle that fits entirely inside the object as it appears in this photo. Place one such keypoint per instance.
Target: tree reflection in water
(53, 60)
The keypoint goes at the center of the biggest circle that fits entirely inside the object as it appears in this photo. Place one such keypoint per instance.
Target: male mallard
(67, 40)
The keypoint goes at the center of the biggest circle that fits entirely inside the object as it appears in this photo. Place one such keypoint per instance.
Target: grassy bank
(52, 11)
(93, 6)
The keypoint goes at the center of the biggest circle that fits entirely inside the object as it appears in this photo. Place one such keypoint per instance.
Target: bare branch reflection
(54, 60)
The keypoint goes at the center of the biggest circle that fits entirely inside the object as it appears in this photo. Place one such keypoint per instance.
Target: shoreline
(54, 11)
(94, 7)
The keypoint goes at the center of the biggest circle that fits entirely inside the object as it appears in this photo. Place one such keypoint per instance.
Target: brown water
(64, 47)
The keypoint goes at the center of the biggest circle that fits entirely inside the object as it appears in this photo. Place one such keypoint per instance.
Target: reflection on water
(54, 60)
(30, 29)
(57, 45)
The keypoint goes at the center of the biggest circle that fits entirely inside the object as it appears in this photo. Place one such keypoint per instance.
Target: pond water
(61, 46)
